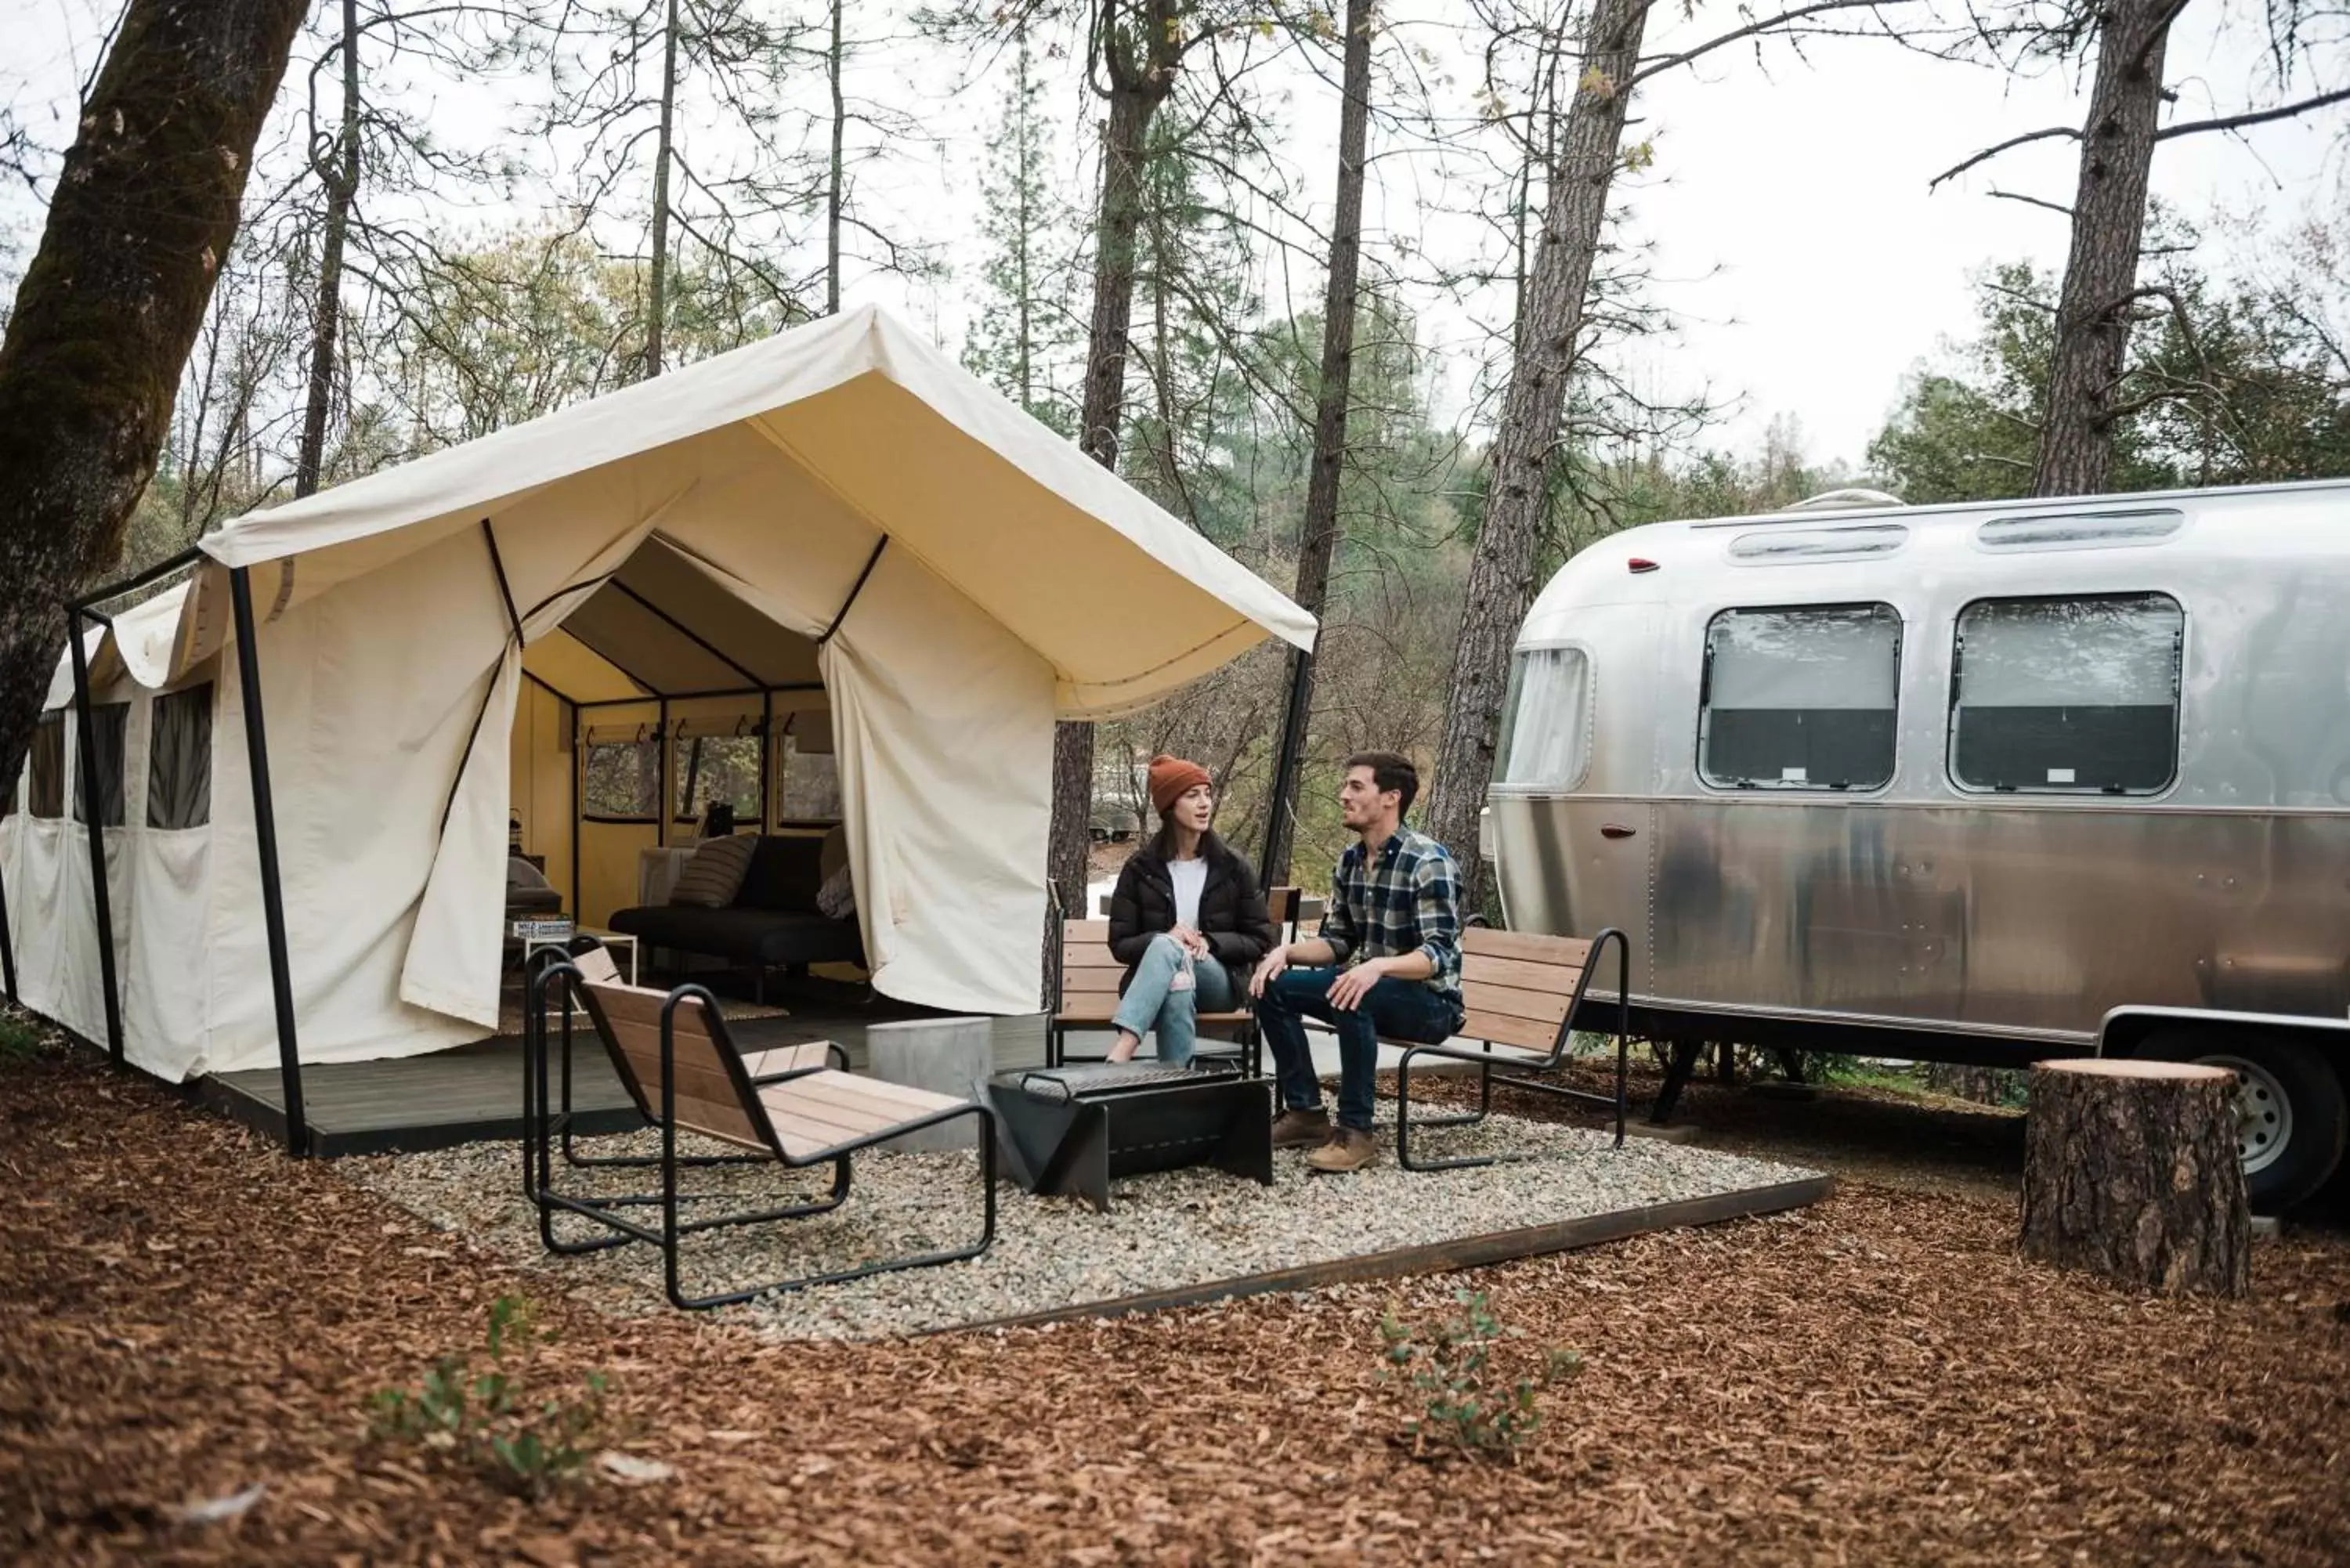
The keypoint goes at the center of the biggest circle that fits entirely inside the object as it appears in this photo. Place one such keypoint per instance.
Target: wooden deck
(474, 1093)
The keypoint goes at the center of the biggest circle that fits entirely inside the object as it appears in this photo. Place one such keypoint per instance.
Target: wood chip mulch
(184, 1313)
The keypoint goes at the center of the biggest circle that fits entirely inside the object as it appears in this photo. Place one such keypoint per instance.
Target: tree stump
(2131, 1170)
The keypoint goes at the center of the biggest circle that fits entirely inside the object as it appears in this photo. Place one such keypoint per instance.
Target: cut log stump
(2131, 1170)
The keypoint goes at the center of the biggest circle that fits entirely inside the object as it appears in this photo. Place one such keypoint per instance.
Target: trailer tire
(2295, 1117)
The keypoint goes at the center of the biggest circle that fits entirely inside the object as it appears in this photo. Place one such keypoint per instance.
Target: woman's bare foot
(1127, 1045)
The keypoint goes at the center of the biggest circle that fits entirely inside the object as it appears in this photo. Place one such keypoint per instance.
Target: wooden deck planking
(473, 1092)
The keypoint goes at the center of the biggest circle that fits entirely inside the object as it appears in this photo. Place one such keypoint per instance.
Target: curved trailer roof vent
(1846, 500)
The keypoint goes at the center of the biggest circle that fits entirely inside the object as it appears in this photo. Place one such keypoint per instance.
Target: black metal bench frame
(1487, 1061)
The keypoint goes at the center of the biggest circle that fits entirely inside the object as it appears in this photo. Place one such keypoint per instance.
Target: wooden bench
(1525, 995)
(672, 1052)
(1085, 990)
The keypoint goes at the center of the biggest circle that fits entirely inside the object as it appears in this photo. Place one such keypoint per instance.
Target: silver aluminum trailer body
(1921, 878)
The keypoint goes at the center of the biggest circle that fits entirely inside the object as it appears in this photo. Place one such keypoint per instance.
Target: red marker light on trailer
(1641, 564)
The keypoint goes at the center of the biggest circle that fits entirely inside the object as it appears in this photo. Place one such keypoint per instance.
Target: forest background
(462, 215)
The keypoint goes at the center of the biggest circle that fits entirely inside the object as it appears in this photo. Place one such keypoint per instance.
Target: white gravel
(1179, 1228)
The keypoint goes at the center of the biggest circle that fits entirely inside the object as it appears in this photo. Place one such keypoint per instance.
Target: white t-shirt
(1190, 880)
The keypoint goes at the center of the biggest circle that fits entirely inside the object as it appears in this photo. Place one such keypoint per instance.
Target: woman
(1188, 919)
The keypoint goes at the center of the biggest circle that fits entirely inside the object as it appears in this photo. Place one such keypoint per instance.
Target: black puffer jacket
(1232, 910)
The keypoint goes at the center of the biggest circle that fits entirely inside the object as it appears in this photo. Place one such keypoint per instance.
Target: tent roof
(662, 627)
(1124, 600)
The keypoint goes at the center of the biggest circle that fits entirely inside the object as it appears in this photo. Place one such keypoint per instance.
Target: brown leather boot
(1301, 1129)
(1350, 1150)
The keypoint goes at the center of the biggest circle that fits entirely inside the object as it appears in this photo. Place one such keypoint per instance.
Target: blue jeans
(1151, 1000)
(1398, 1009)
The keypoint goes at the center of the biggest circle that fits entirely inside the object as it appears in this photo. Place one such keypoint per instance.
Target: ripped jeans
(1157, 999)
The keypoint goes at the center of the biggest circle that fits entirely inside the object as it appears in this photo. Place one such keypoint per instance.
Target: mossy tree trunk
(1318, 538)
(1526, 444)
(2092, 317)
(2131, 1171)
(142, 218)
(1140, 47)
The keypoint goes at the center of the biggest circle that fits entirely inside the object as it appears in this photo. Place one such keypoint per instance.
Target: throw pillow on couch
(714, 875)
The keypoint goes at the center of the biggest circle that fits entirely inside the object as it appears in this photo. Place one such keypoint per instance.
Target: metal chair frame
(1486, 1062)
(539, 1138)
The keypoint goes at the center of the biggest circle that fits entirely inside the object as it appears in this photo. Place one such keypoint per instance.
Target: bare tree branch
(2257, 117)
(2066, 133)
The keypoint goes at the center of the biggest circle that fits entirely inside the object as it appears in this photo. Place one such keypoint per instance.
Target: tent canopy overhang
(820, 446)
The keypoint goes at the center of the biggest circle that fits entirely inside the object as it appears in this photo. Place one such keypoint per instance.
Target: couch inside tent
(833, 538)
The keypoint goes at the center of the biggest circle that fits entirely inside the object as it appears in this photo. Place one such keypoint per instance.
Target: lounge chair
(672, 1052)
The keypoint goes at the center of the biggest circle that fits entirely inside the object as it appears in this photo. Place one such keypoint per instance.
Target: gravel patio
(1165, 1232)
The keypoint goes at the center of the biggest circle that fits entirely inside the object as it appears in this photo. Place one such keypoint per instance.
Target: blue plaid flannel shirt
(1407, 900)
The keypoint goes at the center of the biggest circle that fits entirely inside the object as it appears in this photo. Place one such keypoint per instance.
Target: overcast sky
(1795, 240)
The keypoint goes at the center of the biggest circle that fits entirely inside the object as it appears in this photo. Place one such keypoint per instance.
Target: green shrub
(1467, 1405)
(19, 1041)
(489, 1419)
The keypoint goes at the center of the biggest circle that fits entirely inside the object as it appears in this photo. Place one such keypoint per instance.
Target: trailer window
(1546, 719)
(1800, 697)
(2071, 695)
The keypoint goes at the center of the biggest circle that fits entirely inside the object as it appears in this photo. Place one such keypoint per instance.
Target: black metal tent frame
(265, 812)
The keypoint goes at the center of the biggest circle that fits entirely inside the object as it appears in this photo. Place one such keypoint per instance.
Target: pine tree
(1022, 340)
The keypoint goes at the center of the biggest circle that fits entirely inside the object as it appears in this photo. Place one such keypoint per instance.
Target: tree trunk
(1318, 538)
(1137, 85)
(1984, 1086)
(1501, 571)
(657, 280)
(832, 192)
(2093, 314)
(1023, 247)
(341, 178)
(2131, 1170)
(141, 222)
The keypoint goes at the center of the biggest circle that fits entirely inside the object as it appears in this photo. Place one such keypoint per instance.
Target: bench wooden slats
(1571, 951)
(817, 1110)
(1504, 1030)
(1092, 1009)
(1559, 979)
(596, 967)
(1540, 1006)
(1075, 932)
(1078, 982)
(786, 1058)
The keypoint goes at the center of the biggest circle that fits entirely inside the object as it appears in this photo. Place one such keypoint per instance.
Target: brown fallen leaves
(184, 1314)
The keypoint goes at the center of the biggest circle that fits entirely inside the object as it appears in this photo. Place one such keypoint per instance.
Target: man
(1388, 962)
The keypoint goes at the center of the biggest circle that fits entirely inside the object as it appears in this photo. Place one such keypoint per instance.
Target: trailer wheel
(2291, 1115)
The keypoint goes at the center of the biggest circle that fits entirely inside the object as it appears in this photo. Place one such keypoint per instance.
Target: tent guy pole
(265, 833)
(578, 804)
(7, 942)
(1281, 821)
(86, 750)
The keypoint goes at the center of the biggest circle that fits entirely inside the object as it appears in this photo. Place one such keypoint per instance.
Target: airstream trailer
(1980, 783)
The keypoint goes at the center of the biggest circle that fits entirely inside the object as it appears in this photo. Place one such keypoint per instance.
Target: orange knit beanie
(1170, 777)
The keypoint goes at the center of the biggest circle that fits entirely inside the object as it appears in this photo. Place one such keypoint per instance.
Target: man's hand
(1347, 993)
(1268, 969)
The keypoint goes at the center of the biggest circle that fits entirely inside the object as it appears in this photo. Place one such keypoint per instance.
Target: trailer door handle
(1615, 830)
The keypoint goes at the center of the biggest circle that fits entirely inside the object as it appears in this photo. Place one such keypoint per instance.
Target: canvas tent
(835, 539)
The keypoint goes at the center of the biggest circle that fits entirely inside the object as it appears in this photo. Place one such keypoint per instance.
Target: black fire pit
(1077, 1130)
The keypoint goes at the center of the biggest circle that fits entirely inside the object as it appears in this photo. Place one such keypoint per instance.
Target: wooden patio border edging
(1441, 1257)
